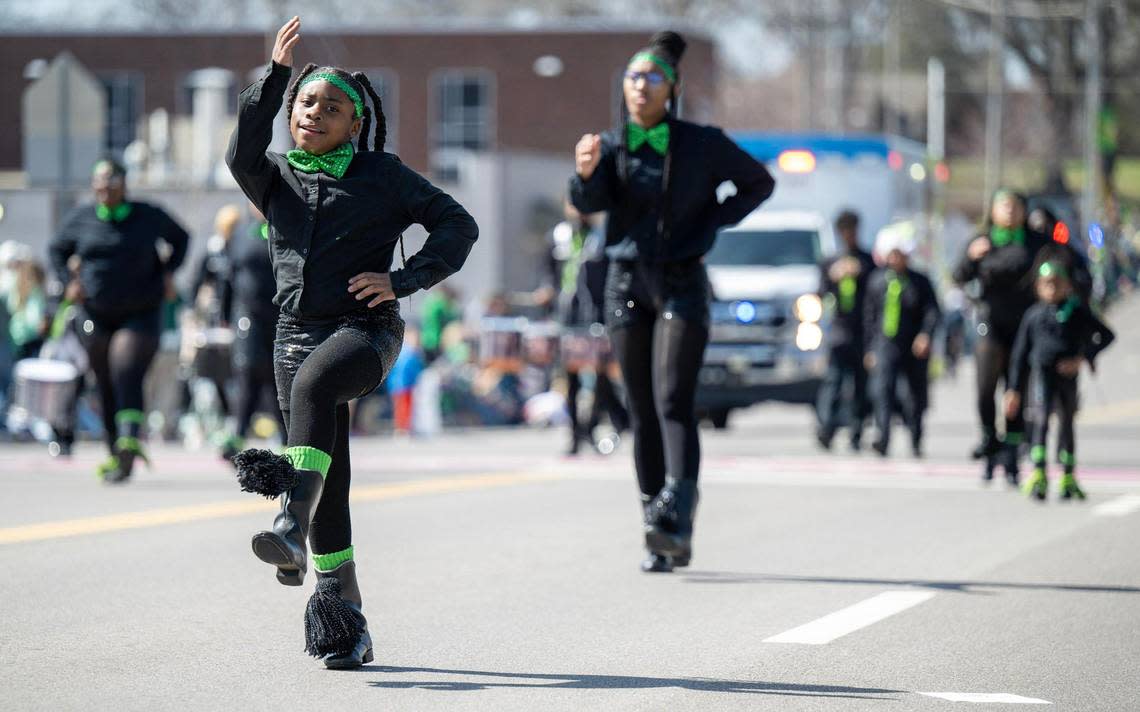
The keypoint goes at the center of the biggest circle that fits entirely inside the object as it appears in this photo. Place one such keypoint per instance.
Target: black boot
(285, 546)
(672, 530)
(988, 447)
(1010, 461)
(335, 627)
(655, 562)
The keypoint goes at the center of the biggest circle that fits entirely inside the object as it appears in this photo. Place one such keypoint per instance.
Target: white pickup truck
(768, 325)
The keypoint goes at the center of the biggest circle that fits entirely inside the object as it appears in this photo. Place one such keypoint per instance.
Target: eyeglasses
(651, 78)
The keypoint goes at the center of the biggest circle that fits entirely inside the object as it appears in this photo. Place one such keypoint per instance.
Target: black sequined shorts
(382, 328)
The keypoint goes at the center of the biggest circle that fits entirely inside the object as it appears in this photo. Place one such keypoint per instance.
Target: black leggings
(605, 400)
(1055, 393)
(991, 359)
(253, 370)
(658, 318)
(321, 367)
(120, 349)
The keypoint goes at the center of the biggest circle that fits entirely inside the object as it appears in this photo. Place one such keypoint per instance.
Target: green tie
(335, 162)
(657, 137)
(573, 263)
(847, 287)
(892, 310)
(115, 214)
(263, 231)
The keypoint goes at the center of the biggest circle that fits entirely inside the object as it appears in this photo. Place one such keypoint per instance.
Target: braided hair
(358, 81)
(669, 47)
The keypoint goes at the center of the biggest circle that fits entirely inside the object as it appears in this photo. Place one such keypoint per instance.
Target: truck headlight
(808, 308)
(809, 336)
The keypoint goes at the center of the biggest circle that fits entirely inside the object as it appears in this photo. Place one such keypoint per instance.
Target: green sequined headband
(1051, 269)
(670, 73)
(339, 84)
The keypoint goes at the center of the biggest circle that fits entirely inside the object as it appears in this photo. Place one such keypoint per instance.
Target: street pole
(994, 100)
(1091, 197)
(894, 62)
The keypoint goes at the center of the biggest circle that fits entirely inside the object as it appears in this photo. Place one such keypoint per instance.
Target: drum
(212, 350)
(501, 343)
(45, 389)
(540, 343)
(585, 348)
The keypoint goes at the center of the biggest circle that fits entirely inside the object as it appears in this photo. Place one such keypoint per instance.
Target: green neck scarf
(847, 289)
(657, 137)
(115, 214)
(335, 162)
(1065, 311)
(892, 308)
(263, 231)
(1002, 236)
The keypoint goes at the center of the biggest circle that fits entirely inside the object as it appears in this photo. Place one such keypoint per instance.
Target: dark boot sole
(272, 549)
(348, 663)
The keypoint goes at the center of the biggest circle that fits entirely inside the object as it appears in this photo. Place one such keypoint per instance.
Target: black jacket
(1006, 286)
(121, 268)
(702, 158)
(251, 287)
(323, 230)
(1043, 340)
(919, 312)
(847, 326)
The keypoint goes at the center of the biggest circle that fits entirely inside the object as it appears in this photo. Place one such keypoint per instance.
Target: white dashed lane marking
(986, 698)
(848, 620)
(1119, 507)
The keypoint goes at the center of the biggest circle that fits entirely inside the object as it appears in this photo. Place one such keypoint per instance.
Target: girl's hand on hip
(286, 38)
(367, 284)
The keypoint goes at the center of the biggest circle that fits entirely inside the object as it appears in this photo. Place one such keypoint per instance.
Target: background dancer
(332, 212)
(843, 284)
(1000, 261)
(1057, 335)
(122, 278)
(657, 176)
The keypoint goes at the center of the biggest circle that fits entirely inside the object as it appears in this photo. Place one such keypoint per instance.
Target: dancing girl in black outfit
(110, 256)
(335, 215)
(657, 177)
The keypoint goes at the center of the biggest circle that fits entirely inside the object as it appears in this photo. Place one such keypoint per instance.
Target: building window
(387, 86)
(463, 118)
(124, 107)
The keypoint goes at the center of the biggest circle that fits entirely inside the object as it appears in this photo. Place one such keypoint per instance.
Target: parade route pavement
(499, 575)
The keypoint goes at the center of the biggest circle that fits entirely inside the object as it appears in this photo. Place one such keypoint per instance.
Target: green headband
(670, 73)
(1052, 269)
(339, 84)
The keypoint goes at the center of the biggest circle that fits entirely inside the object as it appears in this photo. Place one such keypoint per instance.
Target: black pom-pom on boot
(335, 627)
(265, 472)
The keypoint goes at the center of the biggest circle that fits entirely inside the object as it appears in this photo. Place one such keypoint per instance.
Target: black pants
(659, 325)
(845, 364)
(120, 348)
(893, 365)
(991, 360)
(253, 368)
(605, 401)
(1055, 394)
(320, 366)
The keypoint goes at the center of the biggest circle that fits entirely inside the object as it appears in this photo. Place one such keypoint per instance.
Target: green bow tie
(335, 162)
(116, 214)
(657, 137)
(1002, 236)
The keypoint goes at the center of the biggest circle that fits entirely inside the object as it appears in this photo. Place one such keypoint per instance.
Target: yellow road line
(236, 508)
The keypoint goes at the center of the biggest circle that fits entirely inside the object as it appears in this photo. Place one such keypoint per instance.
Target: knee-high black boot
(286, 545)
(335, 627)
(673, 513)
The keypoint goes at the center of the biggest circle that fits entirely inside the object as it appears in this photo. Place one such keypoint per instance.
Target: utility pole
(1090, 200)
(995, 95)
(894, 69)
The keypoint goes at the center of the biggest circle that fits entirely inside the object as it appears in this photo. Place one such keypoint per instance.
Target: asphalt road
(499, 575)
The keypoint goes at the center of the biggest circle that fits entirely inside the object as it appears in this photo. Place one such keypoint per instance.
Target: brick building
(477, 88)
